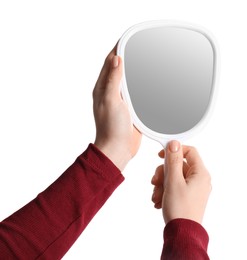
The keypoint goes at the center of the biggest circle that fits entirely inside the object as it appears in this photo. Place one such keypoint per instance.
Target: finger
(115, 75)
(162, 154)
(157, 194)
(105, 69)
(192, 156)
(174, 162)
(158, 205)
(185, 163)
(186, 168)
(158, 177)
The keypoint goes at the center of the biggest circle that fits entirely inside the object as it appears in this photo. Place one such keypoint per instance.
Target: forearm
(47, 226)
(184, 239)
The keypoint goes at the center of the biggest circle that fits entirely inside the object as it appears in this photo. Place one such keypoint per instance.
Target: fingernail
(115, 61)
(174, 146)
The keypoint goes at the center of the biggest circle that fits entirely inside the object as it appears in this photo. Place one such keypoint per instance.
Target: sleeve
(47, 227)
(185, 239)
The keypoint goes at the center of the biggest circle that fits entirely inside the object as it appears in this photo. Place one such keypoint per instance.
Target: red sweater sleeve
(185, 239)
(48, 226)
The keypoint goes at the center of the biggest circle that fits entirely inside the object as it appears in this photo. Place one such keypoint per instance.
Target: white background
(51, 53)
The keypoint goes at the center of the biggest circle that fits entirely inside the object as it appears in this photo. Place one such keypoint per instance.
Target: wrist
(119, 157)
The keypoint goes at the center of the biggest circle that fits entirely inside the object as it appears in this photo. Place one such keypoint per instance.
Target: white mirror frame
(163, 139)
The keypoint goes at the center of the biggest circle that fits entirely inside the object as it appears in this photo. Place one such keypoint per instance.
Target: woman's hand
(182, 185)
(116, 136)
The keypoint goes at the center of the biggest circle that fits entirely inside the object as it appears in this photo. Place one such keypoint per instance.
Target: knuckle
(109, 79)
(108, 59)
(94, 93)
(159, 168)
(158, 175)
(193, 149)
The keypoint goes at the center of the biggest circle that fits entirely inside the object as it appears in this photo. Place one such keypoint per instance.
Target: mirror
(169, 78)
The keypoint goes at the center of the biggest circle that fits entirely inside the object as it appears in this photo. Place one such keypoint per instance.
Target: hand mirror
(168, 79)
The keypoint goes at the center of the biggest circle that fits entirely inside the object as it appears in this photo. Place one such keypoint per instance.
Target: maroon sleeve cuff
(101, 163)
(185, 239)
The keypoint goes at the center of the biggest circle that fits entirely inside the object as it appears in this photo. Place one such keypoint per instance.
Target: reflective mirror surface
(169, 74)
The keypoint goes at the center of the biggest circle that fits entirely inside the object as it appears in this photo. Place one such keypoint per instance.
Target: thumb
(115, 74)
(174, 162)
